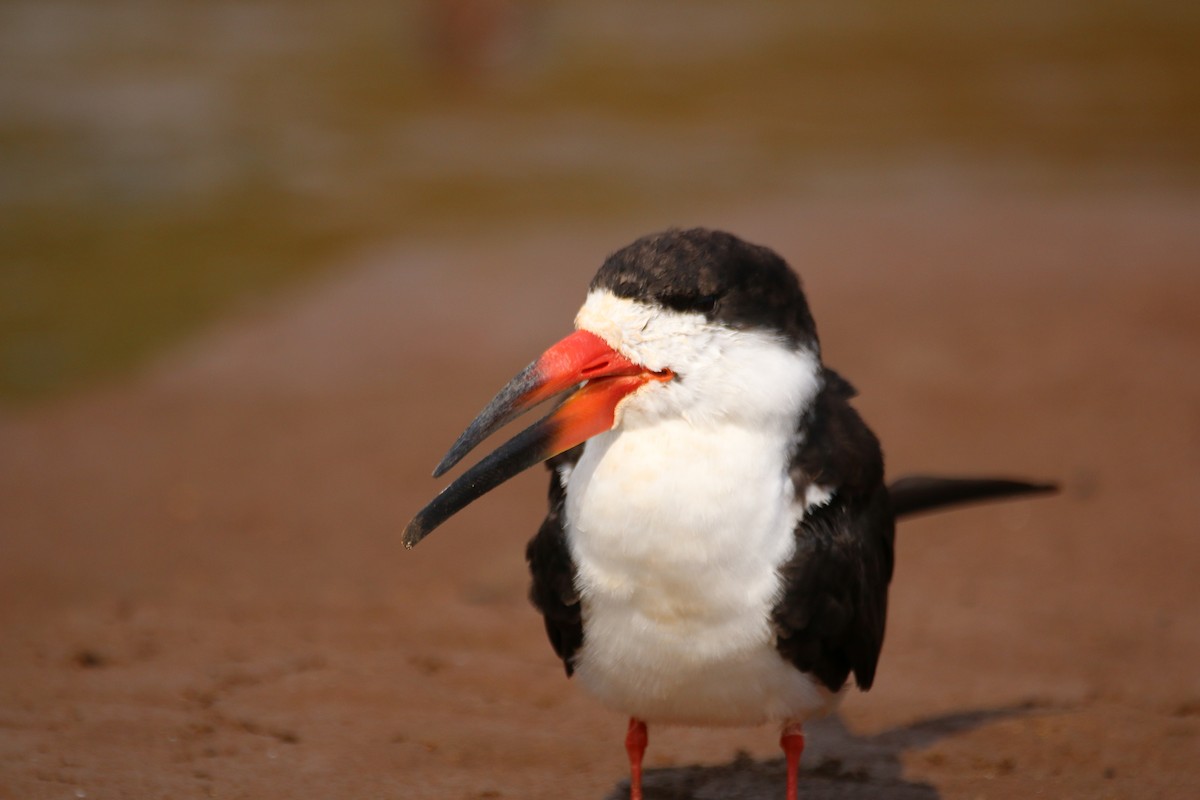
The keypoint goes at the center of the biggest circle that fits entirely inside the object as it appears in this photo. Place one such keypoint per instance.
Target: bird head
(695, 325)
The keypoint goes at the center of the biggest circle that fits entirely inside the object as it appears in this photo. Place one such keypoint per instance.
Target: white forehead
(643, 332)
(724, 371)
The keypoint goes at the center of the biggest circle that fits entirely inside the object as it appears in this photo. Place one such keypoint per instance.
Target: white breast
(680, 517)
(678, 535)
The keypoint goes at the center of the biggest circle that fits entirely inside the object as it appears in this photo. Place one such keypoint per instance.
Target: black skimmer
(718, 546)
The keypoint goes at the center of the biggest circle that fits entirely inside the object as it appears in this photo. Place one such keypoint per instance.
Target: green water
(160, 162)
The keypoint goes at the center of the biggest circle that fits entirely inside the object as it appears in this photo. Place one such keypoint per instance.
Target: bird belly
(678, 537)
(656, 678)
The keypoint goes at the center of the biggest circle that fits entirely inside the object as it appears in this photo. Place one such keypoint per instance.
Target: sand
(203, 591)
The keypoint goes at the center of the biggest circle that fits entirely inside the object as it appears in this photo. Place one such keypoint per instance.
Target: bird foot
(792, 742)
(635, 745)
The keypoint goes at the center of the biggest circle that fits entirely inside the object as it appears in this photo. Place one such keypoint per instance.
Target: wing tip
(915, 494)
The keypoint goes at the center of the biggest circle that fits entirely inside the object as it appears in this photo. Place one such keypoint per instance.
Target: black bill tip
(509, 403)
(531, 446)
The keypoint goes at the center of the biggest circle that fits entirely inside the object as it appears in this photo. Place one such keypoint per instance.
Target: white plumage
(679, 518)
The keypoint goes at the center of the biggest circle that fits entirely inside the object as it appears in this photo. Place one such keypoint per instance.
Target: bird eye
(687, 302)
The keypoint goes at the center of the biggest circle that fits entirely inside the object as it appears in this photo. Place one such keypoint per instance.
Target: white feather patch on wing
(816, 495)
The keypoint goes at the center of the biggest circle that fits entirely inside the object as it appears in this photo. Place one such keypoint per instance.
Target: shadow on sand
(838, 765)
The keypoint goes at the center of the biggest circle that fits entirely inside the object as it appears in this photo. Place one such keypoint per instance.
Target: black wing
(917, 494)
(553, 590)
(831, 618)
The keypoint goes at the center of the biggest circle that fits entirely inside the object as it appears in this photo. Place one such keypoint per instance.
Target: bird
(719, 541)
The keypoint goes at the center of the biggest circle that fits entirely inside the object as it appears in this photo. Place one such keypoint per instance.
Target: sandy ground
(203, 592)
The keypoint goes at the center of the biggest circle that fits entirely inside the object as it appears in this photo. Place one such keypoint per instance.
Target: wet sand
(203, 592)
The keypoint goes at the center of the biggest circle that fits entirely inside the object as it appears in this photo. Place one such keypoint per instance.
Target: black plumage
(730, 281)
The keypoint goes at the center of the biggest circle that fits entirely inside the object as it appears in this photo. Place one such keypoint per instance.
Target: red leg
(792, 742)
(635, 745)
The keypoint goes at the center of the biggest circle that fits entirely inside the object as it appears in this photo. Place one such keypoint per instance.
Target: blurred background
(161, 161)
(261, 260)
